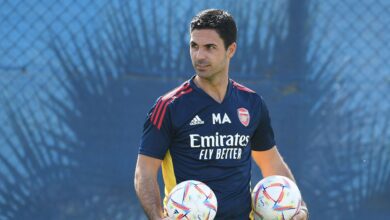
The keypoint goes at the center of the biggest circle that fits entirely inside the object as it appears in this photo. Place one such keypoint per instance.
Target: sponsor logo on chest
(220, 146)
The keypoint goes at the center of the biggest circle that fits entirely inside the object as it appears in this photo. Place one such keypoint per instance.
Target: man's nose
(200, 54)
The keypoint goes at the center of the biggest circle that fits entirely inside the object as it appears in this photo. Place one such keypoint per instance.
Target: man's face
(208, 54)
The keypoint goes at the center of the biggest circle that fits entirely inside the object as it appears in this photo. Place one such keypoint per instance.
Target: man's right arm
(146, 186)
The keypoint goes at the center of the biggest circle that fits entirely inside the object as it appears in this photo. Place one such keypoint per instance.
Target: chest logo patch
(196, 121)
(243, 115)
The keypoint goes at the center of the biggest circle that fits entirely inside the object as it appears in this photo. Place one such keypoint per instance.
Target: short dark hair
(221, 21)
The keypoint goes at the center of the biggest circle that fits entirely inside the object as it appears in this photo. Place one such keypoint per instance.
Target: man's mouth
(202, 66)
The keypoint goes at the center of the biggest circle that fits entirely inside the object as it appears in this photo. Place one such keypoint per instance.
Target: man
(208, 128)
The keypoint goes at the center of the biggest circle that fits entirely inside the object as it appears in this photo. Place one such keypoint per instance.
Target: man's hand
(302, 214)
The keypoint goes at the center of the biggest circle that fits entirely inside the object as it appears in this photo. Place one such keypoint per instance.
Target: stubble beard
(212, 72)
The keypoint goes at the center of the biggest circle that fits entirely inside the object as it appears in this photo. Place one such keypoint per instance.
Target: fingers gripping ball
(276, 198)
(191, 199)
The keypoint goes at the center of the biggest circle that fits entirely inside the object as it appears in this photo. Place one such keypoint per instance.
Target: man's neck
(216, 88)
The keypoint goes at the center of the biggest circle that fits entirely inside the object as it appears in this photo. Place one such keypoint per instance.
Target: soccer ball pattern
(191, 199)
(275, 198)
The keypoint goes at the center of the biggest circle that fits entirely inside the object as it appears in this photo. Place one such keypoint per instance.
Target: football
(275, 198)
(191, 199)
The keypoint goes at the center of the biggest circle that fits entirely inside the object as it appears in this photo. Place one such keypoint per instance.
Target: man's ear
(231, 49)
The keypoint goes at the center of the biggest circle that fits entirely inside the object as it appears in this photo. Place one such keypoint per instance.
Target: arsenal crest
(243, 115)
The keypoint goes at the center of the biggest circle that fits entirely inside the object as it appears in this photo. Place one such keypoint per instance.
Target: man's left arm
(271, 163)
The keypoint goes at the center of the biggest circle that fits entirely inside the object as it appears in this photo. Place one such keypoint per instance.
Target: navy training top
(200, 139)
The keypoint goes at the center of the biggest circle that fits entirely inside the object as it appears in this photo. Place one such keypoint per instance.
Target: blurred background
(78, 77)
